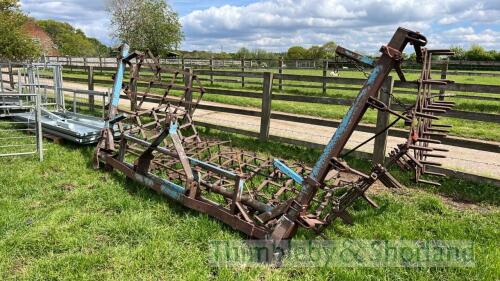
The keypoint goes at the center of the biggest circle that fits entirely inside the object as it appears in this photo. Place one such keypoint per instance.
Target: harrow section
(266, 198)
(420, 149)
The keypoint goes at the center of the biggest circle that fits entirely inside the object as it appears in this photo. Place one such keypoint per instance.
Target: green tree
(330, 48)
(296, 52)
(261, 54)
(14, 43)
(99, 48)
(146, 24)
(494, 55)
(71, 41)
(9, 6)
(316, 52)
(412, 57)
(243, 53)
(497, 56)
(477, 52)
(459, 53)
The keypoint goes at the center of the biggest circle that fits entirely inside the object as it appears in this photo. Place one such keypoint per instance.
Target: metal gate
(20, 137)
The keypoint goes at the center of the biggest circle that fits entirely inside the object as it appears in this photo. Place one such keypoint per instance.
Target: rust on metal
(156, 143)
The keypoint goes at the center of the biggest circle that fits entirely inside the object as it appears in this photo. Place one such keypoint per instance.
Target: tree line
(14, 43)
(327, 51)
(72, 41)
(475, 53)
(17, 44)
(153, 25)
(296, 52)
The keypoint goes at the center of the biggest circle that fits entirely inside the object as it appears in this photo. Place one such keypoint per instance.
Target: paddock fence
(270, 86)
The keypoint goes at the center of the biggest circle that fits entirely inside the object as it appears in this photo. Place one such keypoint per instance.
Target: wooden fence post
(90, 75)
(100, 63)
(444, 71)
(134, 75)
(243, 70)
(182, 63)
(383, 117)
(265, 117)
(11, 76)
(188, 81)
(280, 71)
(211, 70)
(325, 72)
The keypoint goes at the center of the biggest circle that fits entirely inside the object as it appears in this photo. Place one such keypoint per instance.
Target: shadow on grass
(456, 189)
(137, 190)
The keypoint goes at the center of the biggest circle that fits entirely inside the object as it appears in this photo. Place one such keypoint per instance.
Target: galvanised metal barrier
(13, 138)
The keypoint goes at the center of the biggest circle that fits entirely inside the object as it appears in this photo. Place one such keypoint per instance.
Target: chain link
(400, 103)
(360, 68)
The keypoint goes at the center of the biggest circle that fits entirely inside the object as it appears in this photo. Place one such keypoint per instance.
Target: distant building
(172, 55)
(41, 37)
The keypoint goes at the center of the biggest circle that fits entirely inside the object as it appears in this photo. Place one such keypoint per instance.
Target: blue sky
(363, 25)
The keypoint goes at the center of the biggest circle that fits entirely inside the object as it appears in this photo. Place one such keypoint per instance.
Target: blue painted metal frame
(117, 85)
(287, 171)
(345, 121)
(170, 189)
(203, 164)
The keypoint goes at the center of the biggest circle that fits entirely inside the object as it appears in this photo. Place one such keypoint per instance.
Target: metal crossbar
(156, 143)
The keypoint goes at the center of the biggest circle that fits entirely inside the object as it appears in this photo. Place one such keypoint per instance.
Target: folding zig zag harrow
(156, 144)
(421, 147)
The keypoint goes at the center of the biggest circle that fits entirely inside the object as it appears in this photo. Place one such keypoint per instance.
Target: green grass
(468, 128)
(62, 220)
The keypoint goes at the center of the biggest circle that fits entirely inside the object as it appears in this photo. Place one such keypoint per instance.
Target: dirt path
(462, 159)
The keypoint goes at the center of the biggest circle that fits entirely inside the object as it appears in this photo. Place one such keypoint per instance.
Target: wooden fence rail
(266, 115)
(350, 82)
(280, 63)
(459, 87)
(267, 96)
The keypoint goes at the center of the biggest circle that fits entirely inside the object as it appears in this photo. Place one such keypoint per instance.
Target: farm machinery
(158, 145)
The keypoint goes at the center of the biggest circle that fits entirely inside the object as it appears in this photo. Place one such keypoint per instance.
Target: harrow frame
(264, 198)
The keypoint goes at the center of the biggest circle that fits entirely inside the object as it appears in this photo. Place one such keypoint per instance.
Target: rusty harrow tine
(252, 193)
(423, 130)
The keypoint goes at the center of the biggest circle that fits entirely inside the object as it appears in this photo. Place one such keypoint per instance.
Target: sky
(275, 25)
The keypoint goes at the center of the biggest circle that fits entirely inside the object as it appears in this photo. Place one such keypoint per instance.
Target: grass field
(468, 128)
(62, 220)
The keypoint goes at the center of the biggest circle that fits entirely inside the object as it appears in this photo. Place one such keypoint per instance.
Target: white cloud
(487, 38)
(276, 24)
(448, 20)
(363, 25)
(459, 31)
(88, 15)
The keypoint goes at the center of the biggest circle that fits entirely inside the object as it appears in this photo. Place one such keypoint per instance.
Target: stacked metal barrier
(45, 80)
(13, 138)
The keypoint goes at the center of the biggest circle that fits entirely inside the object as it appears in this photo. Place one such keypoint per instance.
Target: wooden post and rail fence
(267, 97)
(467, 68)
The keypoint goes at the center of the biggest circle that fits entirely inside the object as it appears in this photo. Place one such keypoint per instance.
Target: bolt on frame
(156, 143)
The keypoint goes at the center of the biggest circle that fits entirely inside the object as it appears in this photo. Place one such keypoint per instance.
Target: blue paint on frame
(287, 171)
(173, 128)
(345, 121)
(367, 60)
(172, 190)
(117, 86)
